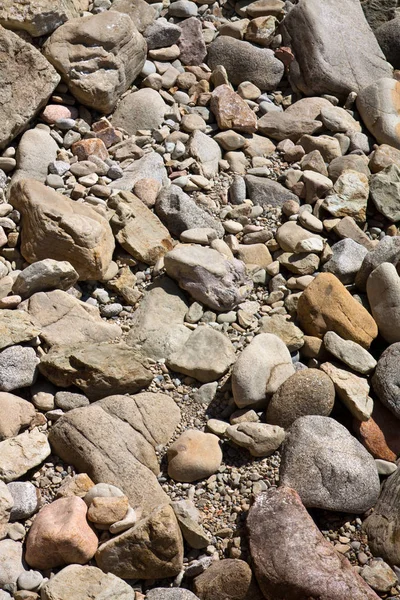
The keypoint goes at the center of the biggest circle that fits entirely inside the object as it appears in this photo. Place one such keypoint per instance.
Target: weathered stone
(383, 290)
(285, 329)
(260, 439)
(141, 13)
(26, 499)
(144, 109)
(352, 354)
(351, 389)
(36, 150)
(283, 125)
(231, 111)
(191, 43)
(380, 433)
(387, 251)
(45, 275)
(350, 162)
(188, 518)
(382, 157)
(15, 414)
(227, 579)
(385, 192)
(206, 151)
(349, 196)
(346, 260)
(18, 367)
(39, 17)
(289, 235)
(266, 192)
(378, 106)
(150, 165)
(11, 565)
(106, 511)
(385, 379)
(161, 33)
(16, 327)
(20, 454)
(194, 455)
(379, 576)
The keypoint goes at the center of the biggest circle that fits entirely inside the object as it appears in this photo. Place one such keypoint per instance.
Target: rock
(385, 189)
(191, 43)
(206, 355)
(351, 389)
(289, 235)
(79, 49)
(379, 434)
(206, 151)
(284, 125)
(11, 565)
(303, 263)
(53, 226)
(385, 467)
(338, 120)
(45, 275)
(36, 150)
(328, 467)
(180, 212)
(349, 196)
(113, 441)
(286, 330)
(306, 392)
(382, 157)
(260, 370)
(266, 192)
(39, 18)
(348, 228)
(141, 13)
(76, 580)
(106, 511)
(291, 557)
(102, 490)
(208, 276)
(6, 504)
(308, 72)
(63, 319)
(77, 485)
(16, 327)
(150, 166)
(385, 306)
(188, 518)
(351, 162)
(18, 368)
(378, 106)
(152, 549)
(15, 414)
(352, 354)
(170, 594)
(97, 369)
(254, 254)
(60, 535)
(326, 305)
(227, 579)
(29, 80)
(382, 526)
(144, 109)
(231, 111)
(245, 62)
(387, 251)
(387, 36)
(21, 453)
(377, 14)
(25, 499)
(161, 34)
(346, 260)
(327, 145)
(194, 455)
(379, 576)
(384, 380)
(260, 439)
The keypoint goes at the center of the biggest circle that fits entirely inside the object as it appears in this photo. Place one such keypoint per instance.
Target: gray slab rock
(385, 380)
(45, 275)
(266, 192)
(260, 439)
(385, 192)
(191, 42)
(144, 109)
(383, 290)
(352, 390)
(35, 151)
(40, 17)
(20, 454)
(282, 126)
(346, 260)
(328, 467)
(28, 82)
(352, 354)
(387, 251)
(150, 166)
(140, 11)
(18, 368)
(26, 499)
(354, 57)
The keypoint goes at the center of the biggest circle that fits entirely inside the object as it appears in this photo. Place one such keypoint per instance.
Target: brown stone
(106, 511)
(326, 305)
(228, 579)
(194, 455)
(78, 485)
(380, 434)
(90, 147)
(231, 111)
(348, 228)
(60, 535)
(383, 157)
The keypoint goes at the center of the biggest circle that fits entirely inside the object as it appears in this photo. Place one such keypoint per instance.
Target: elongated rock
(383, 290)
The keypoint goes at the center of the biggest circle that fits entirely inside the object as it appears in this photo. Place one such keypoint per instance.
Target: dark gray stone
(386, 379)
(378, 12)
(385, 192)
(388, 250)
(388, 36)
(161, 34)
(266, 192)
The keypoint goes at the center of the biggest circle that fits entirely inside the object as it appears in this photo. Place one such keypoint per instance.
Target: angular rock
(289, 235)
(260, 439)
(379, 434)
(20, 454)
(18, 368)
(227, 579)
(260, 370)
(26, 498)
(206, 151)
(384, 156)
(191, 43)
(385, 192)
(150, 166)
(379, 576)
(6, 504)
(326, 305)
(378, 106)
(291, 557)
(170, 594)
(266, 192)
(40, 17)
(289, 333)
(385, 379)
(152, 549)
(283, 125)
(383, 290)
(352, 354)
(11, 565)
(338, 120)
(387, 251)
(188, 518)
(328, 467)
(15, 414)
(231, 111)
(351, 389)
(144, 109)
(45, 275)
(16, 327)
(161, 34)
(352, 162)
(194, 455)
(106, 511)
(81, 48)
(349, 196)
(346, 260)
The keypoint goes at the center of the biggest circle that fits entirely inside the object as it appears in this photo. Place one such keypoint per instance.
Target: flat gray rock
(352, 354)
(266, 192)
(45, 275)
(386, 379)
(35, 151)
(18, 368)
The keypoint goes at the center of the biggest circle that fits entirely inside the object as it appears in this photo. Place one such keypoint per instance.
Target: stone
(245, 62)
(260, 439)
(79, 49)
(227, 579)
(326, 305)
(338, 120)
(206, 355)
(302, 263)
(387, 251)
(306, 392)
(254, 254)
(141, 13)
(266, 192)
(18, 368)
(347, 258)
(45, 275)
(53, 226)
(25, 499)
(379, 433)
(206, 151)
(379, 576)
(152, 549)
(260, 370)
(349, 196)
(208, 276)
(16, 327)
(289, 235)
(60, 535)
(382, 157)
(385, 307)
(102, 490)
(144, 109)
(106, 511)
(327, 145)
(328, 467)
(137, 229)
(170, 594)
(231, 111)
(384, 380)
(29, 80)
(151, 166)
(36, 150)
(378, 108)
(63, 319)
(20, 454)
(39, 18)
(194, 455)
(113, 441)
(191, 43)
(15, 414)
(6, 504)
(77, 485)
(283, 125)
(30, 580)
(161, 34)
(385, 190)
(350, 353)
(348, 228)
(285, 329)
(97, 369)
(179, 212)
(352, 390)
(291, 557)
(385, 467)
(90, 582)
(188, 518)
(11, 565)
(308, 72)
(350, 162)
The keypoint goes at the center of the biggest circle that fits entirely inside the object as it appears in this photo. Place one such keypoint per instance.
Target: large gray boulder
(332, 64)
(328, 467)
(378, 105)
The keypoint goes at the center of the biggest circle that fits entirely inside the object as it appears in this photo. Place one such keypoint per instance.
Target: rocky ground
(199, 300)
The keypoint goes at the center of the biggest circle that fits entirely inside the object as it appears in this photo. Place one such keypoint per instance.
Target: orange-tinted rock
(379, 107)
(60, 535)
(231, 111)
(107, 511)
(326, 305)
(380, 434)
(228, 579)
(90, 147)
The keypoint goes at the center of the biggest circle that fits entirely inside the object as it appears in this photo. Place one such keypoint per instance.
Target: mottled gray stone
(346, 260)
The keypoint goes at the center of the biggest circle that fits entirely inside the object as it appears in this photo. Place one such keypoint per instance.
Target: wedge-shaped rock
(28, 80)
(17, 326)
(53, 226)
(39, 17)
(113, 441)
(88, 582)
(351, 389)
(20, 454)
(291, 557)
(98, 56)
(231, 111)
(138, 230)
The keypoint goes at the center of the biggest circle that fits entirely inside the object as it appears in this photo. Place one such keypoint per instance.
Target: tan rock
(254, 254)
(378, 105)
(383, 157)
(326, 305)
(78, 485)
(352, 390)
(60, 535)
(349, 196)
(16, 326)
(106, 511)
(15, 414)
(40, 17)
(20, 454)
(194, 455)
(231, 111)
(86, 148)
(228, 579)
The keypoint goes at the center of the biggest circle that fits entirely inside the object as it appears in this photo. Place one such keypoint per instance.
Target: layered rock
(40, 17)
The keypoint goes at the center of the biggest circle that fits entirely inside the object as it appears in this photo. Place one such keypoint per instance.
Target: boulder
(291, 557)
(385, 191)
(144, 109)
(79, 49)
(378, 107)
(40, 17)
(141, 13)
(385, 379)
(45, 275)
(227, 579)
(328, 467)
(15, 414)
(354, 58)
(194, 455)
(383, 290)
(28, 78)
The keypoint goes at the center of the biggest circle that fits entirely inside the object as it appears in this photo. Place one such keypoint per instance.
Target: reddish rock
(84, 149)
(54, 112)
(60, 535)
(380, 434)
(231, 111)
(292, 560)
(106, 133)
(191, 43)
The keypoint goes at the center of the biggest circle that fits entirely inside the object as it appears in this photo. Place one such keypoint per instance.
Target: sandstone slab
(21, 453)
(40, 17)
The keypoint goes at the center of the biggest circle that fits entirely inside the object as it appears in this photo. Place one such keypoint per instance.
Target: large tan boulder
(53, 226)
(39, 17)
